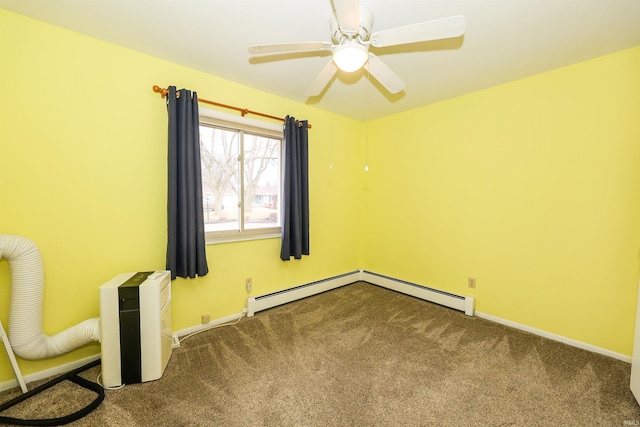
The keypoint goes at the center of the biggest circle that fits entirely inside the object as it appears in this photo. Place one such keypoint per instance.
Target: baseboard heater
(462, 303)
(263, 302)
(447, 299)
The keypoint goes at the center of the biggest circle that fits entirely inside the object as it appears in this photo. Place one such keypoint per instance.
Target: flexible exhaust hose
(26, 306)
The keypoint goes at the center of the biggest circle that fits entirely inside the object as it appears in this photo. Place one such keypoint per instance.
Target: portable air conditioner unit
(135, 327)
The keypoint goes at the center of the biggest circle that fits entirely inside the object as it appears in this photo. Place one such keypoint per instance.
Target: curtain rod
(243, 111)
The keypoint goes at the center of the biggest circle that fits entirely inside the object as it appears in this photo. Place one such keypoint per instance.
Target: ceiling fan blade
(322, 80)
(385, 75)
(444, 28)
(288, 47)
(348, 14)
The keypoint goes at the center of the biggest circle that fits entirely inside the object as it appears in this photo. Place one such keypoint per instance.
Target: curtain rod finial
(161, 91)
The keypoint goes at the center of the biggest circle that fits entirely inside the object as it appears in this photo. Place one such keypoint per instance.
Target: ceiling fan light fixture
(350, 57)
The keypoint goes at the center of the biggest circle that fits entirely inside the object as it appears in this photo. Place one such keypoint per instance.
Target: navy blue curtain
(186, 255)
(295, 224)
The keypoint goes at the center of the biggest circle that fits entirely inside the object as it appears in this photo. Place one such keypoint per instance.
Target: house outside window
(241, 177)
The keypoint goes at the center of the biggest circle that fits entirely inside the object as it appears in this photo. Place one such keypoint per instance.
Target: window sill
(241, 238)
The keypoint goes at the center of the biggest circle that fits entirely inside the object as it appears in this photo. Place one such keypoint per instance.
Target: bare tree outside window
(219, 155)
(261, 158)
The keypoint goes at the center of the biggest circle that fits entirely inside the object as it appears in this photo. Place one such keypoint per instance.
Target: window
(241, 177)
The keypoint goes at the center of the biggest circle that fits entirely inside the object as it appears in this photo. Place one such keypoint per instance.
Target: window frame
(255, 127)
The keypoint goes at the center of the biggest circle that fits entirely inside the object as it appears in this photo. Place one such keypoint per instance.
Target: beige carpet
(362, 356)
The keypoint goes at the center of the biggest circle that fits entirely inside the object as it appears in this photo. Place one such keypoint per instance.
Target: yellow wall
(83, 174)
(531, 187)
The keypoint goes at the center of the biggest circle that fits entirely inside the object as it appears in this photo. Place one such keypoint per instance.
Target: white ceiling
(504, 40)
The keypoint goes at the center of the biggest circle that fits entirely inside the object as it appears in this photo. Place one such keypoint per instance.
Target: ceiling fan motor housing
(364, 30)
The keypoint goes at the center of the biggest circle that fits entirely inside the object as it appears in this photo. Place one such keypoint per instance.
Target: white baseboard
(555, 337)
(199, 328)
(51, 372)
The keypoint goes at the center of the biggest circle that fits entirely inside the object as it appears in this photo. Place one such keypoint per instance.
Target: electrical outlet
(249, 283)
(206, 319)
(472, 282)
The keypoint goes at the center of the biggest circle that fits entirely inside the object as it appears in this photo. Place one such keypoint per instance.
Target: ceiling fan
(350, 25)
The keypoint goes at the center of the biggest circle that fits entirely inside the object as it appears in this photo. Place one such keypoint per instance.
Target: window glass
(241, 180)
(262, 181)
